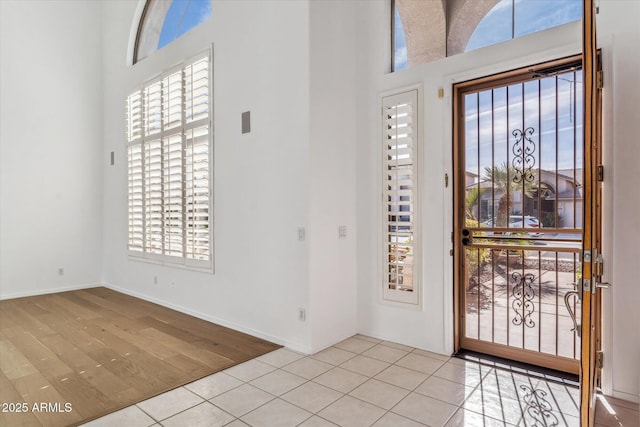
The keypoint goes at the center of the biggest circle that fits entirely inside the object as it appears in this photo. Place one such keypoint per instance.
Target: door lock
(467, 237)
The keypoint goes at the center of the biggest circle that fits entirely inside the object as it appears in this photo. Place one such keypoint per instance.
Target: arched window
(424, 31)
(163, 21)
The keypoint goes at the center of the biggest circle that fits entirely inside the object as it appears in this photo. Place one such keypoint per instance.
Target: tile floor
(366, 382)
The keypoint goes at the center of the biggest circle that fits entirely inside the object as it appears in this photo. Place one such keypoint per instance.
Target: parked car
(516, 221)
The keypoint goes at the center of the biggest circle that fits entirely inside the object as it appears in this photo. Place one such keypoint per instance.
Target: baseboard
(48, 291)
(232, 325)
(626, 396)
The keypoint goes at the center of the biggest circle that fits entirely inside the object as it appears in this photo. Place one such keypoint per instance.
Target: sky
(530, 16)
(552, 107)
(182, 16)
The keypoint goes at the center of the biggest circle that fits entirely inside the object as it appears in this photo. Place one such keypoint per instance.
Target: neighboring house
(553, 196)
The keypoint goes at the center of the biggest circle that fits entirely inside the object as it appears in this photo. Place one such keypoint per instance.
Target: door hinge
(600, 173)
(600, 359)
(446, 180)
(600, 79)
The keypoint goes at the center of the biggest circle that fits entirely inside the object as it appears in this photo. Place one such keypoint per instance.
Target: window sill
(203, 268)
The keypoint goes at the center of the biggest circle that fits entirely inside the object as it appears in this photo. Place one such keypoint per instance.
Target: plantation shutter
(172, 195)
(135, 189)
(152, 109)
(197, 194)
(153, 196)
(400, 136)
(136, 204)
(196, 82)
(197, 162)
(134, 116)
(169, 167)
(172, 101)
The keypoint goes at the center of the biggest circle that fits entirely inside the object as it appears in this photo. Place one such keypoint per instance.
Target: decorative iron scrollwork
(523, 161)
(523, 295)
(538, 407)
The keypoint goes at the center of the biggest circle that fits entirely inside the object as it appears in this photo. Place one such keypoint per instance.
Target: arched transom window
(163, 21)
(424, 31)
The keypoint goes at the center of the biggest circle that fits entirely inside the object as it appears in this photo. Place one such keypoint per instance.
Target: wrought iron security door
(519, 211)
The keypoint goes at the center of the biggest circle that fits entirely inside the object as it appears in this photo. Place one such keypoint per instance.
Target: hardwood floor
(79, 355)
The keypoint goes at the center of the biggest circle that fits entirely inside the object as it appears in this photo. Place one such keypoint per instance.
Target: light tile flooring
(365, 382)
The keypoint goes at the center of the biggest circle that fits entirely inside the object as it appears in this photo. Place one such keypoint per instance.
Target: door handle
(603, 285)
(576, 326)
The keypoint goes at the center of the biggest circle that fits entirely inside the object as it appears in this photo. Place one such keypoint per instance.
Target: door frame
(591, 322)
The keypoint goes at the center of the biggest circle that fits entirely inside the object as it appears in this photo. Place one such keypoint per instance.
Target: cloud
(488, 130)
(530, 16)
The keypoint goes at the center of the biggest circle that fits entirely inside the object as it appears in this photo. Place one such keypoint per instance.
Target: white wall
(431, 327)
(619, 37)
(261, 179)
(332, 184)
(295, 169)
(50, 146)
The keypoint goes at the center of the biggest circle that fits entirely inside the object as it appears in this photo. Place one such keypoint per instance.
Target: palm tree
(471, 202)
(505, 181)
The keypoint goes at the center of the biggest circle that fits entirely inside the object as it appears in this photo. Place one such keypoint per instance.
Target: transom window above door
(424, 31)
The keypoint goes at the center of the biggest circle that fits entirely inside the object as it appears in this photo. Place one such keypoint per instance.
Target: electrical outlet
(301, 234)
(342, 232)
(302, 314)
(61, 271)
(155, 280)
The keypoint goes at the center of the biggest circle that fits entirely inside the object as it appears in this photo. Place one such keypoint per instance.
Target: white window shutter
(197, 194)
(172, 195)
(172, 101)
(134, 116)
(153, 208)
(169, 169)
(152, 108)
(136, 198)
(196, 82)
(399, 147)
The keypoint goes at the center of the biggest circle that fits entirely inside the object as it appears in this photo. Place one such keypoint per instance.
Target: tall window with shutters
(400, 143)
(169, 167)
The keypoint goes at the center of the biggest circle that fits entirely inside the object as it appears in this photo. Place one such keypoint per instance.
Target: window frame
(183, 129)
(405, 299)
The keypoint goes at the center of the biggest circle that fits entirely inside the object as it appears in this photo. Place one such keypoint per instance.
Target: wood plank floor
(89, 352)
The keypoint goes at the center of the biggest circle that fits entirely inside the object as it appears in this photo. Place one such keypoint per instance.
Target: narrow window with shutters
(169, 168)
(399, 152)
